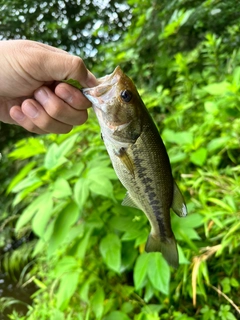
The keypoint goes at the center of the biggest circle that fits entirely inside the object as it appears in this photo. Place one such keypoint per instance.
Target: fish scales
(139, 158)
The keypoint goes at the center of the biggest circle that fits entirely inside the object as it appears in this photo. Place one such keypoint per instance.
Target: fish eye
(126, 95)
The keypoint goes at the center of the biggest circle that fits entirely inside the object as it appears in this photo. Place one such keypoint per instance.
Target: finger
(72, 96)
(21, 119)
(38, 116)
(58, 109)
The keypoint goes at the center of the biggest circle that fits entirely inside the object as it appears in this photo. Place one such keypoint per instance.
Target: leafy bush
(90, 259)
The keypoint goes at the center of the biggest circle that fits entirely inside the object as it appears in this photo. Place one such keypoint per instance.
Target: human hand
(30, 93)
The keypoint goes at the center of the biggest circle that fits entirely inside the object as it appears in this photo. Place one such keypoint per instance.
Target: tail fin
(168, 247)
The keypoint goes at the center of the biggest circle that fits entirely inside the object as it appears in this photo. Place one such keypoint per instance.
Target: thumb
(62, 66)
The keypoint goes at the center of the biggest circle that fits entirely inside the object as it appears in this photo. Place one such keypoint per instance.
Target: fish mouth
(104, 88)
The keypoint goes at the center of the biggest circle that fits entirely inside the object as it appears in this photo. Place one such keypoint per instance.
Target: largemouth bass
(139, 158)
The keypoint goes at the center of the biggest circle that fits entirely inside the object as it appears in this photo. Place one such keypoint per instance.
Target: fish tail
(168, 248)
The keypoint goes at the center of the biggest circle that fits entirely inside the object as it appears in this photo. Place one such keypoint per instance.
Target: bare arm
(30, 93)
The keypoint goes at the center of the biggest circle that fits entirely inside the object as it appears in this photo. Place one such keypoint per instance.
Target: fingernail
(17, 115)
(91, 80)
(41, 96)
(66, 95)
(30, 110)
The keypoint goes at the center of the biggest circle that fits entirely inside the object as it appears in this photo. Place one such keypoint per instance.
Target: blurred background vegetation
(68, 249)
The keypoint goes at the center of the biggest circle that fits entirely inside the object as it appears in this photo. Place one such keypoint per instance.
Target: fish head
(117, 105)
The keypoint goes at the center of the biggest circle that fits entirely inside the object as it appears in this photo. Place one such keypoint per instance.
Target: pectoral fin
(178, 204)
(125, 159)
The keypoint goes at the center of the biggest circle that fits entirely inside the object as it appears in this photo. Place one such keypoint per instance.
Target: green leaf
(217, 88)
(27, 182)
(218, 143)
(199, 157)
(30, 210)
(97, 302)
(66, 218)
(110, 248)
(74, 83)
(27, 148)
(158, 272)
(180, 138)
(65, 265)
(26, 191)
(81, 191)
(102, 186)
(67, 287)
(42, 216)
(82, 246)
(117, 315)
(52, 160)
(66, 146)
(19, 177)
(140, 270)
(61, 189)
(184, 227)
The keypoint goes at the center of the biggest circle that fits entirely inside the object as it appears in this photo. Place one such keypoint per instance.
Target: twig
(226, 297)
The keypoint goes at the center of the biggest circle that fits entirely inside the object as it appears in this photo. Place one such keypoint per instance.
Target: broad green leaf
(42, 216)
(97, 302)
(27, 148)
(85, 286)
(117, 315)
(66, 265)
(27, 182)
(211, 107)
(81, 191)
(26, 191)
(110, 248)
(218, 143)
(185, 226)
(67, 287)
(66, 146)
(30, 210)
(217, 88)
(180, 138)
(52, 160)
(140, 270)
(101, 171)
(61, 189)
(19, 177)
(43, 242)
(102, 186)
(199, 157)
(158, 272)
(82, 246)
(63, 223)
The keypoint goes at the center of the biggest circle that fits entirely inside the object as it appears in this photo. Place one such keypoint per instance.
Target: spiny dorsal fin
(178, 204)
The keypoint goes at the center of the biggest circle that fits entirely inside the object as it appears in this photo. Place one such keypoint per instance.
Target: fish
(139, 158)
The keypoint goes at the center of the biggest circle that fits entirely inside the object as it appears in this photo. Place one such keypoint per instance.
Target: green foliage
(89, 253)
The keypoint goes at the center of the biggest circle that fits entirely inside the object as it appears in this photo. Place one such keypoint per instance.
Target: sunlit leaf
(140, 270)
(159, 272)
(110, 248)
